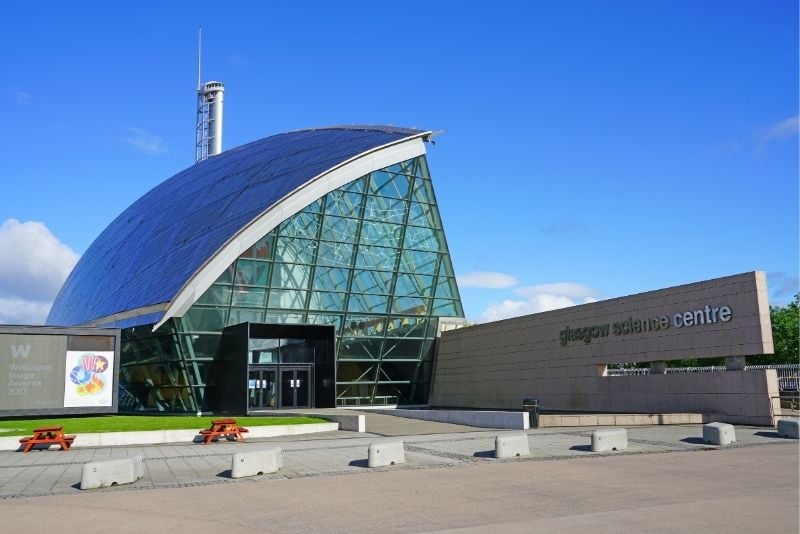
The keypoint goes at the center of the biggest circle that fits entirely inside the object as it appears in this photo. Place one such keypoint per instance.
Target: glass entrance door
(295, 387)
(262, 389)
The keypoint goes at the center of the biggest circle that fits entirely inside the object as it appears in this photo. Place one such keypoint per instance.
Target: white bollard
(719, 434)
(248, 464)
(112, 472)
(511, 445)
(789, 428)
(386, 453)
(609, 439)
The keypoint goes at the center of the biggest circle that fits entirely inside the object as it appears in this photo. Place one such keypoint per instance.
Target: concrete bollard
(248, 464)
(511, 445)
(719, 434)
(789, 428)
(609, 439)
(112, 472)
(386, 453)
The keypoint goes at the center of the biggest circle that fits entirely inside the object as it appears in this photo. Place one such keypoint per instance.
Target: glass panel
(325, 301)
(227, 276)
(423, 192)
(331, 320)
(427, 350)
(354, 394)
(364, 325)
(352, 348)
(284, 318)
(387, 184)
(402, 349)
(331, 278)
(423, 215)
(356, 372)
(404, 167)
(314, 207)
(400, 371)
(344, 203)
(383, 234)
(445, 308)
(421, 169)
(297, 351)
(372, 282)
(249, 296)
(287, 299)
(291, 276)
(335, 254)
(263, 350)
(201, 319)
(295, 250)
(446, 288)
(261, 250)
(419, 262)
(367, 303)
(216, 295)
(424, 239)
(200, 346)
(411, 305)
(252, 273)
(406, 327)
(415, 285)
(384, 209)
(339, 229)
(244, 315)
(302, 224)
(446, 268)
(356, 186)
(378, 258)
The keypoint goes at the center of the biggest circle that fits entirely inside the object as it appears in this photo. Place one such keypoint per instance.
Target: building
(306, 269)
(562, 357)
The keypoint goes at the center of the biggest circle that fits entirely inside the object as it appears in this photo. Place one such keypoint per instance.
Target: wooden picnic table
(223, 427)
(47, 435)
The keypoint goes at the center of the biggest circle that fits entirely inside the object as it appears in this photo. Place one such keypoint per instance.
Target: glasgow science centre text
(706, 315)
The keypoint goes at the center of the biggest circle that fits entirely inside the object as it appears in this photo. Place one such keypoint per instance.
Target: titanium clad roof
(146, 254)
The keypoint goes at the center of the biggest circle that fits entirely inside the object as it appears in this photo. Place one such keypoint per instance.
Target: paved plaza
(457, 460)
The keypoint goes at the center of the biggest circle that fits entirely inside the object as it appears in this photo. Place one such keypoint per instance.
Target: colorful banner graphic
(89, 378)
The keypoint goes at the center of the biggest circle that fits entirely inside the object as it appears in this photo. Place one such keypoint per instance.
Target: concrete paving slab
(334, 453)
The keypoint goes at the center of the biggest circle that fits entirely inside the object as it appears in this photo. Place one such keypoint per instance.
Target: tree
(786, 331)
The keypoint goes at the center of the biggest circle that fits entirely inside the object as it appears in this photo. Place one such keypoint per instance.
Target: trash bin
(531, 406)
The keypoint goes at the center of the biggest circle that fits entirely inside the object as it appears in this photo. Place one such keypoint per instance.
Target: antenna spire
(199, 52)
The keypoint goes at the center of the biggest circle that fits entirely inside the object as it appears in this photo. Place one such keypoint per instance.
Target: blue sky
(590, 149)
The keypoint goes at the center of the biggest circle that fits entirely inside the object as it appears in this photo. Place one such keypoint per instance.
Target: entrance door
(262, 389)
(295, 387)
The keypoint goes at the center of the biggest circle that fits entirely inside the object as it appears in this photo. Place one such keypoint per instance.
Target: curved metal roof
(149, 253)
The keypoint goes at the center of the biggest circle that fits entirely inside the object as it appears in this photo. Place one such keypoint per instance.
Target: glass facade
(369, 258)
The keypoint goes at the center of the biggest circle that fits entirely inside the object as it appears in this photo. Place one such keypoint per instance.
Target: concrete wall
(496, 365)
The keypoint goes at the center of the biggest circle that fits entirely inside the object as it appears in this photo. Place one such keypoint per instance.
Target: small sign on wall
(88, 378)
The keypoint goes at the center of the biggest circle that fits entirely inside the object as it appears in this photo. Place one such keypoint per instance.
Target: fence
(788, 373)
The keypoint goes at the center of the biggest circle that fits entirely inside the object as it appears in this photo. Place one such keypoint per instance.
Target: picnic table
(47, 435)
(223, 427)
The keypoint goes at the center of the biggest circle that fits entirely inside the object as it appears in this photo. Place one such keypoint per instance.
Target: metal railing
(788, 373)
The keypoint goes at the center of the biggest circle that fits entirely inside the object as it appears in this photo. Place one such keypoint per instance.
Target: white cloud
(23, 97)
(486, 280)
(18, 311)
(540, 298)
(33, 266)
(567, 289)
(143, 141)
(780, 130)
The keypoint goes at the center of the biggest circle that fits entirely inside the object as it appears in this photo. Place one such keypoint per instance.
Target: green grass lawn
(132, 423)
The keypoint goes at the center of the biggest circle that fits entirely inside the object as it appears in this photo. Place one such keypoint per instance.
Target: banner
(89, 378)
